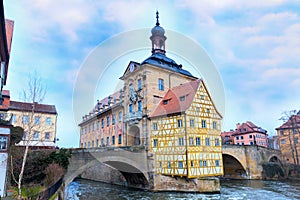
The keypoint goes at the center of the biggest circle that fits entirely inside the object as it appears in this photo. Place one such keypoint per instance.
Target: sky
(255, 46)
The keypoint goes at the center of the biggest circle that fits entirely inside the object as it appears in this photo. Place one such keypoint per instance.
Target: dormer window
(182, 98)
(166, 101)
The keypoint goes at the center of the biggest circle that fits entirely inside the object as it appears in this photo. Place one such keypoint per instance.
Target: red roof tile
(171, 103)
(23, 106)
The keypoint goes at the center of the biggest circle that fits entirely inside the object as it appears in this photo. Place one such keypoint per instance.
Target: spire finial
(157, 22)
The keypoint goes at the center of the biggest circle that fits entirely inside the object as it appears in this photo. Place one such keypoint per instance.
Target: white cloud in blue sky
(254, 44)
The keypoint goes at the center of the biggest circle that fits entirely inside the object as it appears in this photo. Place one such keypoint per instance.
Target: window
(89, 144)
(198, 141)
(120, 139)
(296, 140)
(102, 142)
(294, 131)
(237, 137)
(191, 141)
(140, 106)
(89, 128)
(200, 163)
(182, 98)
(47, 136)
(169, 165)
(217, 142)
(3, 142)
(282, 133)
(93, 144)
(98, 125)
(113, 120)
(245, 129)
(13, 118)
(250, 136)
(85, 145)
(243, 143)
(25, 119)
(242, 137)
(217, 163)
(204, 163)
(102, 123)
(48, 121)
(202, 97)
(93, 126)
(179, 123)
(192, 163)
(97, 143)
(180, 141)
(130, 108)
(192, 123)
(107, 141)
(203, 123)
(207, 110)
(139, 84)
(160, 165)
(154, 142)
(161, 84)
(180, 164)
(251, 143)
(154, 125)
(207, 142)
(36, 135)
(107, 121)
(113, 140)
(120, 116)
(214, 125)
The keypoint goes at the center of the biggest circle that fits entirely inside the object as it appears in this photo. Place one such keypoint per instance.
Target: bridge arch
(133, 166)
(233, 167)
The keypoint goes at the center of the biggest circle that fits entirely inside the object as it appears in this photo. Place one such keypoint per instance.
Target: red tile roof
(248, 127)
(171, 102)
(293, 122)
(40, 108)
(9, 26)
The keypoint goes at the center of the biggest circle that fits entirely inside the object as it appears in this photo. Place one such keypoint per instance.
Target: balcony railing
(133, 117)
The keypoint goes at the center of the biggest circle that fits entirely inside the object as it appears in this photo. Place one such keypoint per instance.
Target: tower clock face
(131, 67)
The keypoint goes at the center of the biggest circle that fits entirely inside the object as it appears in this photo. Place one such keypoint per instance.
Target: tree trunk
(22, 171)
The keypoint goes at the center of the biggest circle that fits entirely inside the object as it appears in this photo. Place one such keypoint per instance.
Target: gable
(203, 105)
(131, 67)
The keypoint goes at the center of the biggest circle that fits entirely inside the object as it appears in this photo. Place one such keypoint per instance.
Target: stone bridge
(247, 161)
(134, 167)
(131, 162)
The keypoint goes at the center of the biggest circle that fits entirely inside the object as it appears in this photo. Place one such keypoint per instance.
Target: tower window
(203, 123)
(139, 84)
(139, 105)
(154, 126)
(161, 84)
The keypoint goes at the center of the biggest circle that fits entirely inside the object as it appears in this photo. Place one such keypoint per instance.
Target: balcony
(133, 117)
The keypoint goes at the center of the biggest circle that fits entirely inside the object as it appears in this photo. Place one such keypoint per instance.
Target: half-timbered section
(185, 133)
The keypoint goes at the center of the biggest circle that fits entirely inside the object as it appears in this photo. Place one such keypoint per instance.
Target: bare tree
(290, 118)
(34, 93)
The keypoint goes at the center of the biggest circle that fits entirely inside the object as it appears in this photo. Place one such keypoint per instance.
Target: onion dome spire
(158, 37)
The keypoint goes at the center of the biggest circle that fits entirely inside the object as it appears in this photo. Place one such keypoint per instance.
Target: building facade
(289, 137)
(164, 108)
(246, 134)
(37, 120)
(6, 33)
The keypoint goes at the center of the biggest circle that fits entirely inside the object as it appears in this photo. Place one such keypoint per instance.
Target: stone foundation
(177, 184)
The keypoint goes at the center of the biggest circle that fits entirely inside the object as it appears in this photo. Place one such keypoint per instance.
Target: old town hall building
(164, 108)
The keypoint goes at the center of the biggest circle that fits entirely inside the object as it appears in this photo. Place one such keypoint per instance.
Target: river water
(81, 189)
